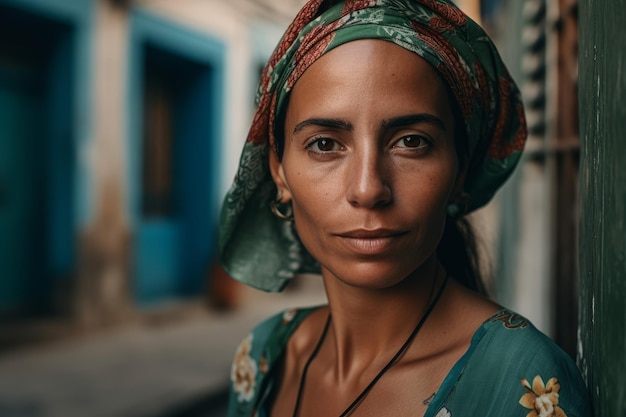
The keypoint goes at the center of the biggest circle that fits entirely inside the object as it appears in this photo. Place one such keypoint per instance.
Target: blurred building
(538, 214)
(121, 122)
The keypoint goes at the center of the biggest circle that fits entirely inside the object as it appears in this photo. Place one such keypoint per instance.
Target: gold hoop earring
(286, 214)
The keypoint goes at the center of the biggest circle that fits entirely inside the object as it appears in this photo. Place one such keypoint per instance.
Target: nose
(368, 183)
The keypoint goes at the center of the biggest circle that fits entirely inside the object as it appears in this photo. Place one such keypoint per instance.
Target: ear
(278, 175)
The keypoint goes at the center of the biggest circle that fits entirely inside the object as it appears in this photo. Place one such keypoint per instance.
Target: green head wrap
(265, 252)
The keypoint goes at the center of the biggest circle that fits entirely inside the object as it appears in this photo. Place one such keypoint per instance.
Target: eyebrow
(323, 122)
(412, 119)
(395, 122)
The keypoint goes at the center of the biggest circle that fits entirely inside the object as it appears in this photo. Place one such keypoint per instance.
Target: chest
(405, 389)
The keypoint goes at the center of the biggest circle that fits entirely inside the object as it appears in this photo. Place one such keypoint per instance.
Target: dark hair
(458, 253)
(458, 249)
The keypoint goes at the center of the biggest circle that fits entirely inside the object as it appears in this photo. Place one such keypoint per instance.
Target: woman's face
(369, 162)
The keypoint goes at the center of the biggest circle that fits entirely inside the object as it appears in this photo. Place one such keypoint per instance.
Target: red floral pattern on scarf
(452, 14)
(483, 84)
(500, 147)
(313, 47)
(306, 15)
(353, 5)
(451, 68)
(257, 131)
(440, 25)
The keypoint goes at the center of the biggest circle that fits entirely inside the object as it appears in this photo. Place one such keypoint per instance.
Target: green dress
(510, 369)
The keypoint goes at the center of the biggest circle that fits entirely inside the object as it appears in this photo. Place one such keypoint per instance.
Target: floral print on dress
(444, 412)
(542, 400)
(263, 365)
(510, 320)
(243, 371)
(289, 315)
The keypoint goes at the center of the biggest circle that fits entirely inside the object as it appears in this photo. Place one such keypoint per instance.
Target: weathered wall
(102, 292)
(602, 347)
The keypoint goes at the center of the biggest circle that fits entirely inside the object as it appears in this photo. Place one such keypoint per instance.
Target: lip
(370, 242)
(370, 234)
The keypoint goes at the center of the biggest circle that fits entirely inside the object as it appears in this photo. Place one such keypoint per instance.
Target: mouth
(370, 234)
(370, 242)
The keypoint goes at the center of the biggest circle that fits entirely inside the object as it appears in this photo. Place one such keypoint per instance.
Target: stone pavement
(137, 371)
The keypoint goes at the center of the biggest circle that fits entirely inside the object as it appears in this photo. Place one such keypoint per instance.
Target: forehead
(370, 74)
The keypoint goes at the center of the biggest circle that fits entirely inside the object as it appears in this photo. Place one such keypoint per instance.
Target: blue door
(35, 170)
(22, 203)
(174, 234)
(177, 85)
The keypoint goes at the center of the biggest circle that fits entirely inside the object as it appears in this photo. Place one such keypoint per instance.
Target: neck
(369, 325)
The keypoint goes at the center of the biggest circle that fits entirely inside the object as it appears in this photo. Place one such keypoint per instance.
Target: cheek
(313, 203)
(440, 190)
(317, 206)
(302, 201)
(311, 218)
(315, 191)
(428, 187)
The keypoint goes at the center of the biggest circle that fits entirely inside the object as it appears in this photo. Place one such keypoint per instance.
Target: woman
(380, 124)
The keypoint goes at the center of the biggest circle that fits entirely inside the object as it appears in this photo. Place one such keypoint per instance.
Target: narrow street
(176, 369)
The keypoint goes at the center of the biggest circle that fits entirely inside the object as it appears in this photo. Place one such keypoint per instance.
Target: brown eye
(412, 141)
(323, 145)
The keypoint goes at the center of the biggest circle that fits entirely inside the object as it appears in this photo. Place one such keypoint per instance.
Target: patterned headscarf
(265, 252)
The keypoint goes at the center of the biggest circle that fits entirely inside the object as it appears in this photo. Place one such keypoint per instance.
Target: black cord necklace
(389, 364)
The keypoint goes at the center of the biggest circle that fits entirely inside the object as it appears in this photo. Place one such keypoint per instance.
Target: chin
(372, 276)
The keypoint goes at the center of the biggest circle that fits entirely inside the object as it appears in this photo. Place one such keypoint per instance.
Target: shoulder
(268, 339)
(277, 328)
(508, 338)
(257, 353)
(549, 376)
(512, 368)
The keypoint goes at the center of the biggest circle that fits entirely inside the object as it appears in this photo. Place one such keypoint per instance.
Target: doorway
(35, 115)
(177, 90)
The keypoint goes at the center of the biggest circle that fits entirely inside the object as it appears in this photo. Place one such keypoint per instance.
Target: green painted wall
(602, 89)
